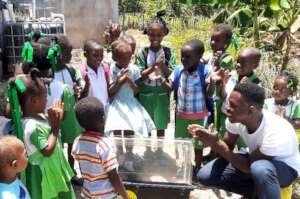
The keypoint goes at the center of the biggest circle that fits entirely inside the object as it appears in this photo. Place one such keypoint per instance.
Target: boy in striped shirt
(96, 153)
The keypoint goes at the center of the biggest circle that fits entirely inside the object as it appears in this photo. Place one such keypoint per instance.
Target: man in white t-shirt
(273, 160)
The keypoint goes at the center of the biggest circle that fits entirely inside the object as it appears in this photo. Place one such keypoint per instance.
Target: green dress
(153, 96)
(70, 128)
(46, 177)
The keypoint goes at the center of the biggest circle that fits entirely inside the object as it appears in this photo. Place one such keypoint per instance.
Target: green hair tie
(27, 52)
(53, 52)
(31, 34)
(12, 93)
(235, 42)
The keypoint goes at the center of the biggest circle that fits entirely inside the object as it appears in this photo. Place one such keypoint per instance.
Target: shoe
(77, 181)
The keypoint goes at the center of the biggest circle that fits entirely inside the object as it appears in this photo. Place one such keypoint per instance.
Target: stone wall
(86, 19)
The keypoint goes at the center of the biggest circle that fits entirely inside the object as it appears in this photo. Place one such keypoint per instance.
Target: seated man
(273, 160)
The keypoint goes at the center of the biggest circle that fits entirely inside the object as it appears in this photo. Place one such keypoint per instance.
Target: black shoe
(77, 181)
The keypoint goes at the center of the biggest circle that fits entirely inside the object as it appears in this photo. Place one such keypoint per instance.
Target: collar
(92, 134)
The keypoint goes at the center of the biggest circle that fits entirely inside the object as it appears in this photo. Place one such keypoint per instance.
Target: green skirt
(51, 178)
(181, 131)
(70, 128)
(156, 101)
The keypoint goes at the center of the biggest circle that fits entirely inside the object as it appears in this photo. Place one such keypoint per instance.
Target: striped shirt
(96, 156)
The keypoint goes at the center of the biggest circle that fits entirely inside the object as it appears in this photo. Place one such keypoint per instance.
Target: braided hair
(158, 19)
(292, 80)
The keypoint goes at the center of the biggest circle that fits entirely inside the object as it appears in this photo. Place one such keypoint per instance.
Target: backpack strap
(168, 54)
(72, 72)
(145, 52)
(177, 73)
(106, 69)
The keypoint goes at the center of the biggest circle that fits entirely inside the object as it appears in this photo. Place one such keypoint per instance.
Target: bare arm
(55, 115)
(117, 184)
(209, 137)
(133, 85)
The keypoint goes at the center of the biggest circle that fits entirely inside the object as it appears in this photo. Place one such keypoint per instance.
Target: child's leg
(118, 134)
(161, 133)
(70, 157)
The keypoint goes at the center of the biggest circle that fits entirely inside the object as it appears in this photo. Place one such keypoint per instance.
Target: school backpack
(202, 71)
(166, 50)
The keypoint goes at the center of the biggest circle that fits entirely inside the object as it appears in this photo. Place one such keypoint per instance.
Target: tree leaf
(285, 4)
(274, 5)
(296, 25)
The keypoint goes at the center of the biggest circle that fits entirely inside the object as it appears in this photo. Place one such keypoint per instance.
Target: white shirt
(98, 84)
(64, 76)
(274, 137)
(55, 93)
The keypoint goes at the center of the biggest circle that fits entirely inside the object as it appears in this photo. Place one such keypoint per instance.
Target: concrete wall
(87, 18)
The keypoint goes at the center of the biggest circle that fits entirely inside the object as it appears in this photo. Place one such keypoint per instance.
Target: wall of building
(86, 19)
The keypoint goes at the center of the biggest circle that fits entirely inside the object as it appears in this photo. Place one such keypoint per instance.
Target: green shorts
(156, 101)
(181, 131)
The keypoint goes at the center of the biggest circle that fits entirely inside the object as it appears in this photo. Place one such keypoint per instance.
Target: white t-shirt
(98, 85)
(55, 93)
(274, 137)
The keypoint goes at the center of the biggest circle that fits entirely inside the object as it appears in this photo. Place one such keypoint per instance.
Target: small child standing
(95, 73)
(13, 160)
(190, 92)
(45, 153)
(95, 153)
(220, 60)
(156, 63)
(282, 102)
(123, 112)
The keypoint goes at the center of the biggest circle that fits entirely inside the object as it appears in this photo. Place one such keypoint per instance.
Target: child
(247, 61)
(48, 173)
(95, 73)
(13, 160)
(69, 92)
(190, 92)
(95, 153)
(156, 64)
(123, 111)
(218, 61)
(282, 102)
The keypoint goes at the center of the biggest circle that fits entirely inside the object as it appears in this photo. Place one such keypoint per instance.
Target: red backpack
(106, 68)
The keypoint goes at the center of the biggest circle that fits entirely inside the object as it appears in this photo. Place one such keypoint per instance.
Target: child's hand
(217, 74)
(225, 77)
(77, 90)
(55, 115)
(216, 58)
(245, 80)
(160, 60)
(87, 81)
(122, 76)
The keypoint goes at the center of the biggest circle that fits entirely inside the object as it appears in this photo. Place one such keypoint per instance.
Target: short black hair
(90, 112)
(292, 80)
(196, 45)
(225, 29)
(252, 93)
(88, 44)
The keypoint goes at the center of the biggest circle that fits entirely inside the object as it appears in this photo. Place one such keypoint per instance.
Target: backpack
(202, 71)
(166, 50)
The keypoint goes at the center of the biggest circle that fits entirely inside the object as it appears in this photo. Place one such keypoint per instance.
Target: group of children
(125, 95)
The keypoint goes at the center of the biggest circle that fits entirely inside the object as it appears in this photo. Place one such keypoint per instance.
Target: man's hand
(207, 136)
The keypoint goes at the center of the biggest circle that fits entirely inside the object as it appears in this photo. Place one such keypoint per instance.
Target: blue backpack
(202, 71)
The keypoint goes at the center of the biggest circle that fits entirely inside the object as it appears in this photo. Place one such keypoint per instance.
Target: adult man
(273, 160)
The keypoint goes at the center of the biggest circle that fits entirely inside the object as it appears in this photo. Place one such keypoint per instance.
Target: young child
(95, 153)
(247, 61)
(95, 73)
(190, 92)
(48, 173)
(218, 61)
(13, 160)
(125, 108)
(282, 102)
(156, 63)
(69, 92)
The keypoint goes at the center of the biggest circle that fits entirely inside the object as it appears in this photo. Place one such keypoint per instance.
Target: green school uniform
(46, 177)
(153, 96)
